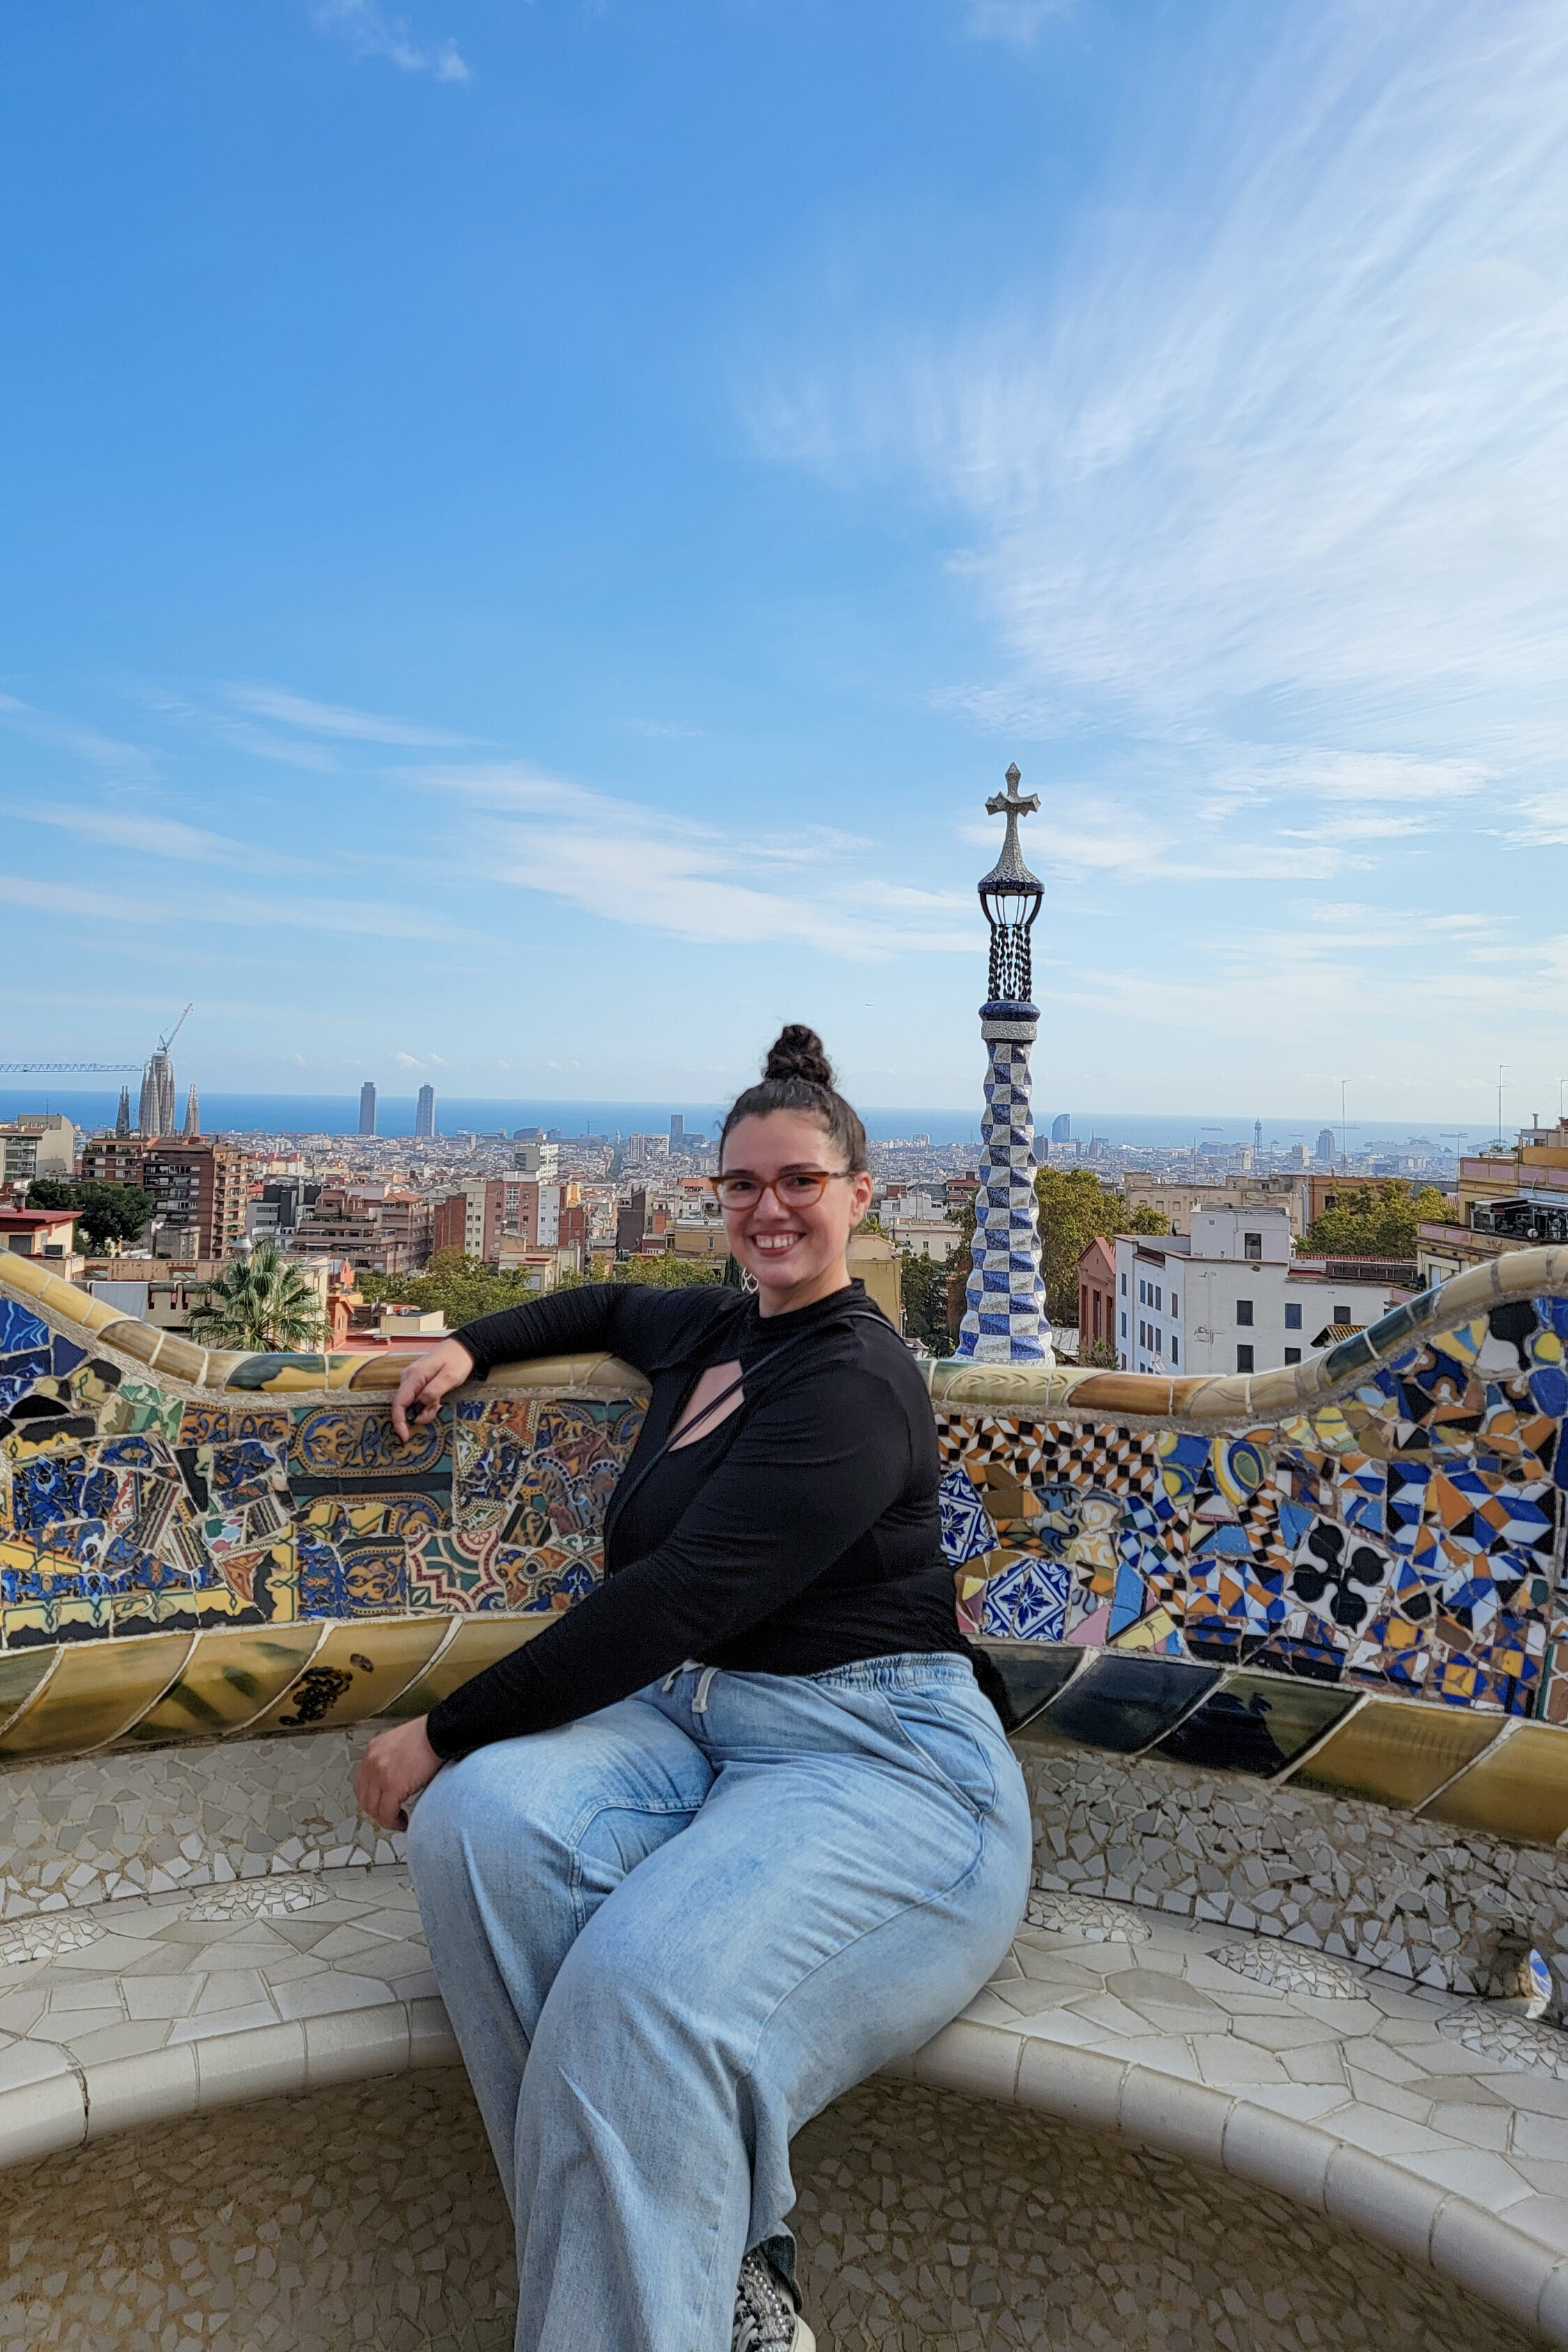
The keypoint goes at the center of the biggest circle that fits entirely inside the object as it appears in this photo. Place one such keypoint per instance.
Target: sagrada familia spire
(155, 1113)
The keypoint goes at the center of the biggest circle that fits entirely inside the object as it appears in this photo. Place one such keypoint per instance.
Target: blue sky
(534, 526)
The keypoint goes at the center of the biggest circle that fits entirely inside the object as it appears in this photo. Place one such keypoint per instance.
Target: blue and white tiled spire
(1004, 1320)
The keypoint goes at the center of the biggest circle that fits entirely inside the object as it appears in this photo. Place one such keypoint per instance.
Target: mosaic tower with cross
(1004, 1320)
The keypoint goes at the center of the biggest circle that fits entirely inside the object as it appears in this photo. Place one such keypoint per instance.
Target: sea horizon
(247, 1113)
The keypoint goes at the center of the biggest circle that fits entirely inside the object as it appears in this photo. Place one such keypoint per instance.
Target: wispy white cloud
(290, 912)
(156, 836)
(334, 720)
(69, 736)
(371, 33)
(629, 864)
(1285, 420)
(1083, 833)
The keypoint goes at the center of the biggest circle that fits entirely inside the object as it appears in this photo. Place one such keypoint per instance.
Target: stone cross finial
(1016, 803)
(1010, 867)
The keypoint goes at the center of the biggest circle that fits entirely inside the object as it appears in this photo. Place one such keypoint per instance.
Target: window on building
(1176, 1352)
(1158, 1342)
(1292, 1355)
(1156, 1294)
(1142, 1333)
(1343, 1314)
(1124, 1327)
(1142, 1293)
(1244, 1312)
(1252, 1246)
(1292, 1316)
(1244, 1360)
(1174, 1308)
(1124, 1286)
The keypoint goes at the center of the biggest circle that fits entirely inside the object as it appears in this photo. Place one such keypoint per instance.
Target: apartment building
(36, 1143)
(199, 1191)
(1178, 1202)
(1231, 1296)
(1517, 1201)
(378, 1228)
(112, 1160)
(497, 1215)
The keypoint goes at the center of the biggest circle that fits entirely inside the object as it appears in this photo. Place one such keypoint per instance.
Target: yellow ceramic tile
(360, 1669)
(21, 1672)
(96, 1691)
(1517, 1789)
(230, 1676)
(41, 1623)
(476, 1642)
(1397, 1754)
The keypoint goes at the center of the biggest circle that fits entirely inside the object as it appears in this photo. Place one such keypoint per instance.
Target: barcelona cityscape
(681, 1672)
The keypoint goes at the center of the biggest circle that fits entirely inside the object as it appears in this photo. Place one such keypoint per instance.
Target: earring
(749, 1281)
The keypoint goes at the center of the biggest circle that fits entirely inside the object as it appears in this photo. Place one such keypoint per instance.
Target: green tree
(1376, 1222)
(454, 1285)
(1074, 1207)
(925, 1302)
(104, 1213)
(668, 1273)
(113, 1213)
(51, 1192)
(261, 1301)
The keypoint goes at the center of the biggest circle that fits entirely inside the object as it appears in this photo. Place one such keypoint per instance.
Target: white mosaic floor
(296, 1983)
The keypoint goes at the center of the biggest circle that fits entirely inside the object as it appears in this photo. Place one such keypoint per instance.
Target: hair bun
(798, 1053)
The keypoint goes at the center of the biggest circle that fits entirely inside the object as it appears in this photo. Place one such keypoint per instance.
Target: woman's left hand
(395, 1766)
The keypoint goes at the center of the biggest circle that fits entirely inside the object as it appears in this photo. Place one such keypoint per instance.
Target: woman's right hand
(428, 1378)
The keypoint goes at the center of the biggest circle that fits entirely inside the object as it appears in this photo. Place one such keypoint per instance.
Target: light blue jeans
(669, 1934)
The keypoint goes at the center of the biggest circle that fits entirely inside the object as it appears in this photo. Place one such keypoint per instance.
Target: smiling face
(793, 1250)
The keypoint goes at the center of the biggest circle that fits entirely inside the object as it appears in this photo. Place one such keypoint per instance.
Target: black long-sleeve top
(801, 1532)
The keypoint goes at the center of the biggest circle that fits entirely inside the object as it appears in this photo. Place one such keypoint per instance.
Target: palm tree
(260, 1302)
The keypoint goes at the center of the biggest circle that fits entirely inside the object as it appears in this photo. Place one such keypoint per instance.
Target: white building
(37, 1143)
(1229, 1297)
(539, 1160)
(934, 1237)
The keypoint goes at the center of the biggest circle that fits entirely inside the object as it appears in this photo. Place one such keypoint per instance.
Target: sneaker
(766, 2317)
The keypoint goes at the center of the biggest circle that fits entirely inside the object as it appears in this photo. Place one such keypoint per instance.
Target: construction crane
(81, 1069)
(165, 1043)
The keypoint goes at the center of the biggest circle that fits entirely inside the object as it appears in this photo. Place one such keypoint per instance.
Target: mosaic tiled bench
(1413, 2117)
(1283, 1653)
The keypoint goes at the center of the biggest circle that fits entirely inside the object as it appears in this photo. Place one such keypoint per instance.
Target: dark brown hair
(797, 1076)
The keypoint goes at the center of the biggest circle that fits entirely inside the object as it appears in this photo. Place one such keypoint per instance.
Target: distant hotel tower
(425, 1115)
(1004, 1320)
(367, 1108)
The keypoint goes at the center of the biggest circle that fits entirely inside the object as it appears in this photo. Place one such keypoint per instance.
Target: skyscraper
(1061, 1127)
(367, 1108)
(1258, 1135)
(425, 1115)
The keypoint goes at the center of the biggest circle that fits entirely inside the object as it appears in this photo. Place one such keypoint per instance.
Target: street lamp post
(1004, 1320)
